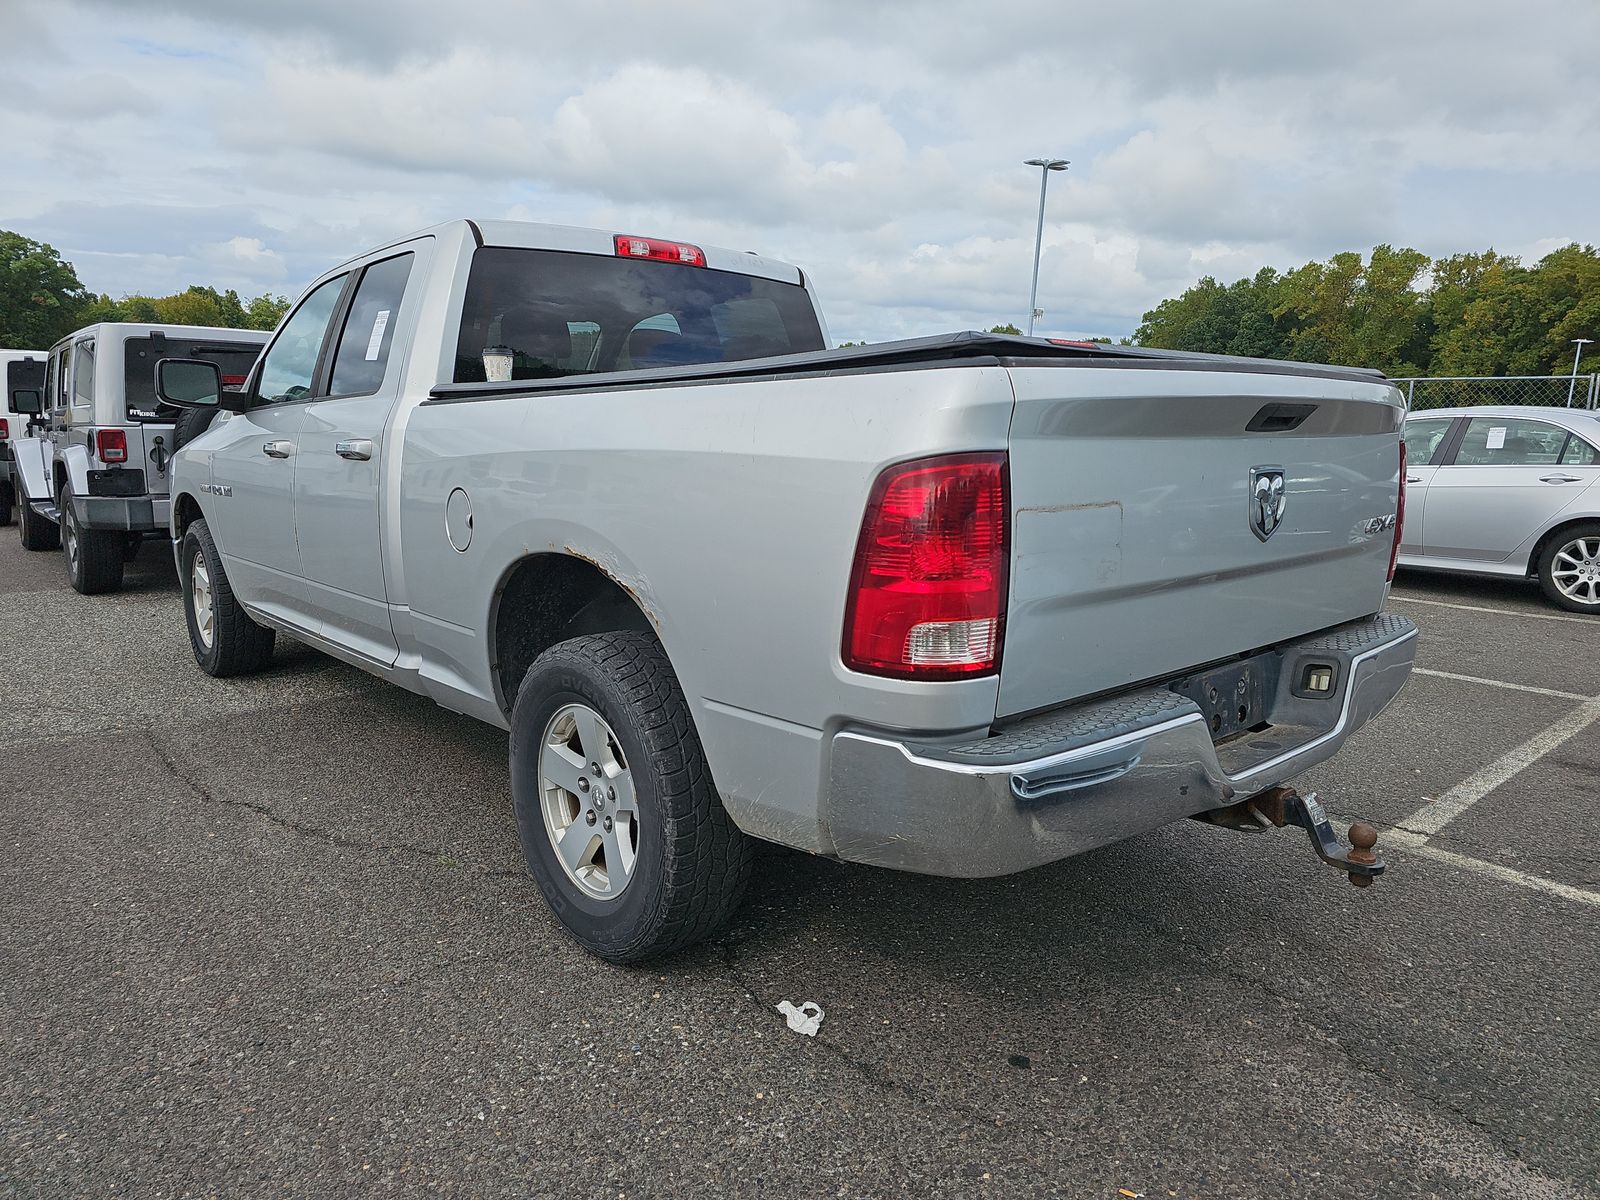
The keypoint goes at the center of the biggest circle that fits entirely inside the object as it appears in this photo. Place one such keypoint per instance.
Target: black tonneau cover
(948, 349)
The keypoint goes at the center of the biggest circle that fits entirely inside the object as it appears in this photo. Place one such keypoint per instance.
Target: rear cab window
(20, 374)
(555, 313)
(139, 357)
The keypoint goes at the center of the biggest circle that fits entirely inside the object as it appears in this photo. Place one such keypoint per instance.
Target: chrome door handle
(1413, 478)
(1558, 478)
(277, 449)
(359, 449)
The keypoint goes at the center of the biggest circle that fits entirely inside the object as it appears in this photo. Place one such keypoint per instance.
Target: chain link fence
(1556, 391)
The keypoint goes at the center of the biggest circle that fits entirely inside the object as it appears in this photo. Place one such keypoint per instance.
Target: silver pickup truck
(960, 605)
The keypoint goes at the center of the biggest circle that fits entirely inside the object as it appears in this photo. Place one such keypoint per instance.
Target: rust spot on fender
(1061, 508)
(610, 573)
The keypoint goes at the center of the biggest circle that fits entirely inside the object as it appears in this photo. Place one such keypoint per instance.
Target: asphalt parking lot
(273, 936)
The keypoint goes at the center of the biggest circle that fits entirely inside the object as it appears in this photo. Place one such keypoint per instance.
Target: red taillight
(1399, 514)
(928, 590)
(111, 445)
(643, 247)
(5, 429)
(233, 381)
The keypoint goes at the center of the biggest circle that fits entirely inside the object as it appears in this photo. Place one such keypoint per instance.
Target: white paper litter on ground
(804, 1019)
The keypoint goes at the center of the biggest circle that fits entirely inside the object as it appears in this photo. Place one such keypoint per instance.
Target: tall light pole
(1580, 343)
(1045, 165)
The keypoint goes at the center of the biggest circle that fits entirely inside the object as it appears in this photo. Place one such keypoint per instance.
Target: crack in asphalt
(872, 1074)
(315, 832)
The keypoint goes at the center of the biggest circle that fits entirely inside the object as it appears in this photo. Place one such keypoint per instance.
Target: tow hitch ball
(1280, 806)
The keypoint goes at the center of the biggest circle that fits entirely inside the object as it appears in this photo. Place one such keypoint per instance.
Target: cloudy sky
(158, 143)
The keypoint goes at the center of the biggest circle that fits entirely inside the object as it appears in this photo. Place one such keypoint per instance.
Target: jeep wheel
(36, 532)
(5, 504)
(620, 823)
(94, 556)
(224, 639)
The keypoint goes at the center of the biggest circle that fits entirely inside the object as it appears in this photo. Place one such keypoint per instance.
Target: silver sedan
(1507, 491)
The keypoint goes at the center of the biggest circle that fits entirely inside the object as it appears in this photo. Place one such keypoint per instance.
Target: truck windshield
(140, 355)
(554, 313)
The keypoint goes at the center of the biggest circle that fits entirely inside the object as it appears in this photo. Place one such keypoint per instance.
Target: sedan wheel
(1569, 569)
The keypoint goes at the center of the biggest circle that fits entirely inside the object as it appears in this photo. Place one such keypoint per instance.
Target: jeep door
(253, 456)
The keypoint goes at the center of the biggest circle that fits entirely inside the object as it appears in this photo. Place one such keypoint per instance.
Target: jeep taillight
(928, 589)
(111, 445)
(5, 429)
(1399, 514)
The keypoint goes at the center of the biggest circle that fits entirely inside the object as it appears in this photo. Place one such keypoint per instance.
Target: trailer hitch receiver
(1280, 806)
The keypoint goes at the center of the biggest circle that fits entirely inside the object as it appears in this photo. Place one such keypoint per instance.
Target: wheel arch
(1549, 535)
(186, 511)
(548, 597)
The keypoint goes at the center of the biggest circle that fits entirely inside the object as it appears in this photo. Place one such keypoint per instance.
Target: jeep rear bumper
(1067, 781)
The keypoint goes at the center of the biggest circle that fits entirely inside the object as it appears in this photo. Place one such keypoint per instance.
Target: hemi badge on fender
(217, 489)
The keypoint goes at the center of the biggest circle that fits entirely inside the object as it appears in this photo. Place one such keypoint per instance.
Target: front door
(254, 456)
(339, 472)
(1425, 439)
(1507, 480)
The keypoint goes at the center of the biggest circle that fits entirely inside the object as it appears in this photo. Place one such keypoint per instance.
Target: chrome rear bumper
(1068, 781)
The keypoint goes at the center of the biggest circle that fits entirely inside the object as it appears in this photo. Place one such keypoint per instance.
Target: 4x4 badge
(1267, 500)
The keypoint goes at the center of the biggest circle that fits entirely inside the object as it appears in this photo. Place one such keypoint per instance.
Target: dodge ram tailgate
(1167, 516)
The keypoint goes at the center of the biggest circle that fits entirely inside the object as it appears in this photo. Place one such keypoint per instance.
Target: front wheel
(620, 823)
(36, 532)
(224, 639)
(1569, 568)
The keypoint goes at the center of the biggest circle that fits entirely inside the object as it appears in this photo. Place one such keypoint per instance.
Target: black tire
(93, 556)
(693, 864)
(1587, 566)
(190, 424)
(35, 531)
(5, 504)
(238, 645)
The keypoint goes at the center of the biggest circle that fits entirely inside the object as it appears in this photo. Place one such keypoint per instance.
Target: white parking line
(1416, 844)
(1500, 683)
(1504, 612)
(1436, 814)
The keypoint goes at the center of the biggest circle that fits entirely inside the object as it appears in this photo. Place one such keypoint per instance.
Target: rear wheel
(224, 639)
(36, 532)
(94, 556)
(620, 823)
(1569, 568)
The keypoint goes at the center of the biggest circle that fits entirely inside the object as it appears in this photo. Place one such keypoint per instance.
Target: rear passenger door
(339, 476)
(1506, 481)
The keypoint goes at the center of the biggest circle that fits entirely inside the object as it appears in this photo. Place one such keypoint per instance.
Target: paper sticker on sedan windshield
(381, 322)
(1497, 436)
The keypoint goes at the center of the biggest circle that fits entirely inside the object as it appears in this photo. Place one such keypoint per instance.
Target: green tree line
(42, 300)
(1397, 310)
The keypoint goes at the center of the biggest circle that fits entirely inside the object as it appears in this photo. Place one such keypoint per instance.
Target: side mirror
(190, 383)
(27, 400)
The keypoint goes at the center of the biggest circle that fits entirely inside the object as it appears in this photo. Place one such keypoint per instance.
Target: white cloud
(879, 146)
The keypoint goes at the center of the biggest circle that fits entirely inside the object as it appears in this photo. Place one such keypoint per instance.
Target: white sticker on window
(1497, 435)
(381, 322)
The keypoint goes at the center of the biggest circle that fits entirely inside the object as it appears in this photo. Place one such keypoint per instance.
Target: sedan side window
(1423, 436)
(1510, 442)
(1579, 453)
(289, 370)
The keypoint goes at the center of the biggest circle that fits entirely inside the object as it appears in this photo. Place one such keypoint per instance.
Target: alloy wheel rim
(587, 799)
(1576, 571)
(200, 600)
(69, 528)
